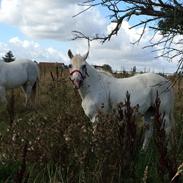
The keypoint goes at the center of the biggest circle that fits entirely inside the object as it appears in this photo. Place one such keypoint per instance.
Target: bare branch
(167, 16)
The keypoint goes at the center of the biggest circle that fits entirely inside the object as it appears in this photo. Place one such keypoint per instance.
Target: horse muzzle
(77, 83)
(77, 78)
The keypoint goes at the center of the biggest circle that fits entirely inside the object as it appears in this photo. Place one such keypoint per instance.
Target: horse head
(78, 68)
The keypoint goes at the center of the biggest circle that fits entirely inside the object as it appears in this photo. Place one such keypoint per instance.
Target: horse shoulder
(94, 103)
(89, 108)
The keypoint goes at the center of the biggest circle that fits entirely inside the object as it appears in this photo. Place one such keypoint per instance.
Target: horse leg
(3, 96)
(33, 92)
(148, 126)
(167, 108)
(168, 130)
(27, 88)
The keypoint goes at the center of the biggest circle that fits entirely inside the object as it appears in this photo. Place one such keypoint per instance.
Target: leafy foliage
(172, 23)
(107, 68)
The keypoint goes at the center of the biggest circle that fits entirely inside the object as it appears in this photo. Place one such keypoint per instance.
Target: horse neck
(91, 81)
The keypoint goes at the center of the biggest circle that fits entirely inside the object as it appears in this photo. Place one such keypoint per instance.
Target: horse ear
(70, 54)
(87, 53)
(85, 56)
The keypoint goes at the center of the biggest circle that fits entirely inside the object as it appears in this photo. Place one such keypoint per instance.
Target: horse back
(142, 88)
(161, 87)
(17, 73)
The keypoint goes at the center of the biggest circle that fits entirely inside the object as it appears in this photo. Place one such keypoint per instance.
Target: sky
(42, 31)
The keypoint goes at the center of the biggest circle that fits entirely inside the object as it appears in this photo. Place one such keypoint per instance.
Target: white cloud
(120, 53)
(31, 50)
(117, 53)
(51, 19)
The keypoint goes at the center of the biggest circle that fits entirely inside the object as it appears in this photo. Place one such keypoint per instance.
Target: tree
(164, 17)
(9, 57)
(107, 68)
(134, 69)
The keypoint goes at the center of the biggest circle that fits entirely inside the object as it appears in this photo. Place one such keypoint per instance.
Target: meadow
(53, 142)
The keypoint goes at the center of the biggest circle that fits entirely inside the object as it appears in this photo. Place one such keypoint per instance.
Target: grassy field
(54, 141)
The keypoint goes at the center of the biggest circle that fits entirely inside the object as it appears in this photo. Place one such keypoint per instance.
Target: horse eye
(83, 67)
(70, 66)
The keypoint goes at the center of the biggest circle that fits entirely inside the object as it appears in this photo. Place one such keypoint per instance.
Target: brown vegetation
(55, 142)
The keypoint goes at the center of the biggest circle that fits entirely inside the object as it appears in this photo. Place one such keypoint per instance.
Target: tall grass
(55, 142)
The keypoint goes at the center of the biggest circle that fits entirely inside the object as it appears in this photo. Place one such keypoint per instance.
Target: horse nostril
(80, 82)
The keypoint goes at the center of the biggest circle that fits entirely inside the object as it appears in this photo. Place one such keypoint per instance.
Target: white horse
(19, 73)
(102, 92)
